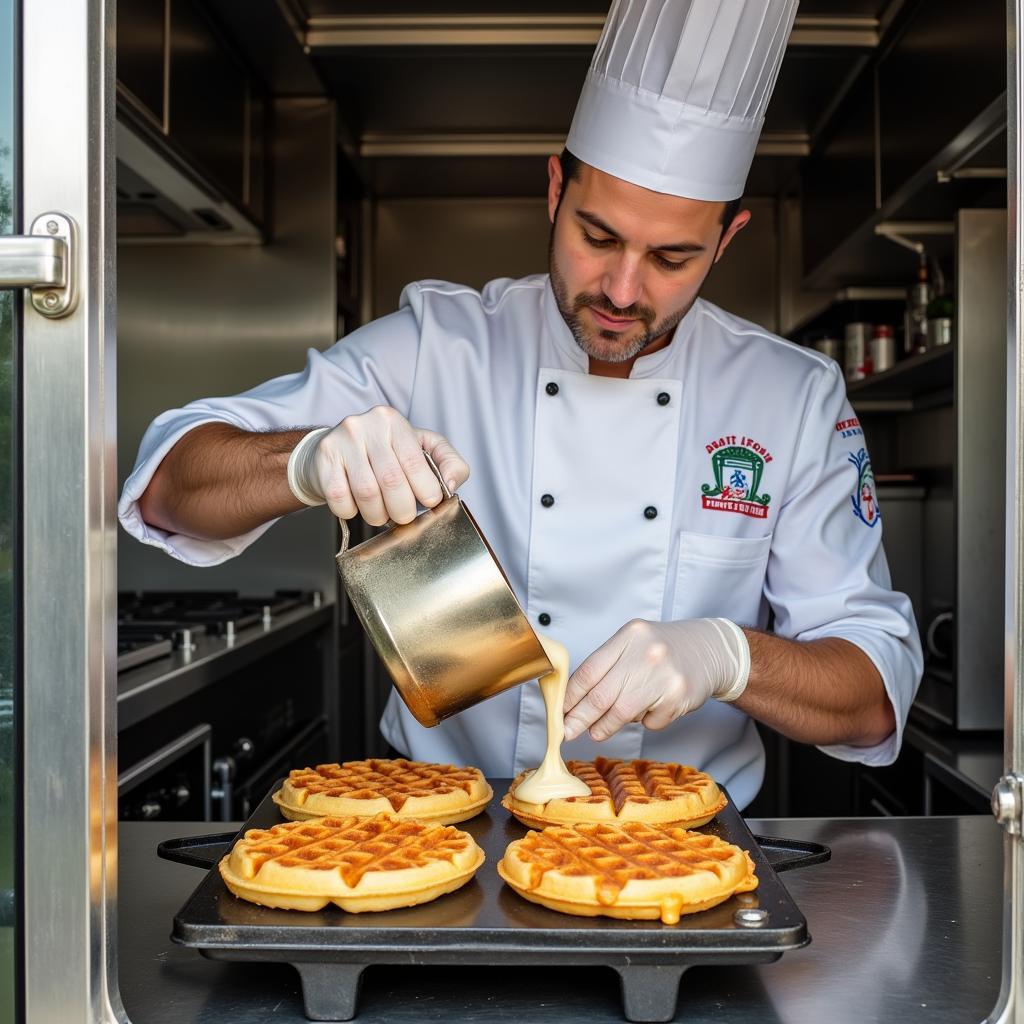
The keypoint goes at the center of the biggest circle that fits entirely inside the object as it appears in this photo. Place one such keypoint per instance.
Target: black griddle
(485, 922)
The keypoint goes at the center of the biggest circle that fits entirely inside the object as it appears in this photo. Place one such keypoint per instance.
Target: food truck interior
(281, 176)
(275, 172)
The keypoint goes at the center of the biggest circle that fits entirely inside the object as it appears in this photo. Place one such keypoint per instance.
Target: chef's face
(627, 263)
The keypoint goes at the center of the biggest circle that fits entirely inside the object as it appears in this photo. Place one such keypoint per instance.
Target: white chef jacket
(727, 476)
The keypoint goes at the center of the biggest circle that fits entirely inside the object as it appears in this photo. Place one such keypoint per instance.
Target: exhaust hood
(161, 200)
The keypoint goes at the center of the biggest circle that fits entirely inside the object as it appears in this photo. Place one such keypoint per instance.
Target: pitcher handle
(346, 535)
(437, 473)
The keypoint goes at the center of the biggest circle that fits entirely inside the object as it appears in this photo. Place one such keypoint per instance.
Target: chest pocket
(721, 576)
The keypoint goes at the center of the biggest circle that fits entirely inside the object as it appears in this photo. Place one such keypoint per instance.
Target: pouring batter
(552, 779)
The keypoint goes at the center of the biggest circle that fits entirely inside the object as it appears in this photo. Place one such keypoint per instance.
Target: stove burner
(150, 624)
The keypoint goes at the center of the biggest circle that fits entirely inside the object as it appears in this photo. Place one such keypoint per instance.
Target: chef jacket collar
(644, 366)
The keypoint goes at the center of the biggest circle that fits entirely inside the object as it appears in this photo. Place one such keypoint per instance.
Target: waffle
(440, 793)
(629, 870)
(656, 792)
(358, 864)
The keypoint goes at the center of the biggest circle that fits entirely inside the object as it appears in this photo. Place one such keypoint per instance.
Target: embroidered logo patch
(738, 465)
(849, 428)
(865, 503)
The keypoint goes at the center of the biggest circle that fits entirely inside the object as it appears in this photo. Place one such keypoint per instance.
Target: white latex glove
(372, 465)
(653, 672)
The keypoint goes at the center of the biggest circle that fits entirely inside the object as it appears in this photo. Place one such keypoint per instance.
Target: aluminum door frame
(1010, 1005)
(68, 505)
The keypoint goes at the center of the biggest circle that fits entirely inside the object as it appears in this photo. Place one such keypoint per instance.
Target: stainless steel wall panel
(209, 320)
(747, 279)
(981, 438)
(472, 241)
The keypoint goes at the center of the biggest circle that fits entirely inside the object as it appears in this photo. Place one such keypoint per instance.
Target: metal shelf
(919, 382)
(849, 305)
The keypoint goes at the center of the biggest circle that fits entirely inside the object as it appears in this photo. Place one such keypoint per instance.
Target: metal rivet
(664, 398)
(750, 917)
(50, 299)
(52, 226)
(552, 388)
(650, 512)
(544, 619)
(547, 500)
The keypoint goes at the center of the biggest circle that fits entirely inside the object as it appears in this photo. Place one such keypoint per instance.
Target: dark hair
(571, 172)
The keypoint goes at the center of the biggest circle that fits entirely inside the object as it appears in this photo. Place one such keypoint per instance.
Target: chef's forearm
(820, 691)
(219, 482)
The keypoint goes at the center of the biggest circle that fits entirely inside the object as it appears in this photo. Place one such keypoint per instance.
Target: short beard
(570, 308)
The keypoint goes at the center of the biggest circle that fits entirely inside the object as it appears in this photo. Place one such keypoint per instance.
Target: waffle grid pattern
(396, 780)
(638, 782)
(617, 854)
(352, 846)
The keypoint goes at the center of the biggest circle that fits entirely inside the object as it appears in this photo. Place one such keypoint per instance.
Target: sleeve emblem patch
(864, 499)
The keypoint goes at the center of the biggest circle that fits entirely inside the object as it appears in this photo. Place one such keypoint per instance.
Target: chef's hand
(653, 672)
(373, 465)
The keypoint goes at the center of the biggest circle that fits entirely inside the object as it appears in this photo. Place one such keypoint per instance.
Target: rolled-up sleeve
(375, 365)
(827, 573)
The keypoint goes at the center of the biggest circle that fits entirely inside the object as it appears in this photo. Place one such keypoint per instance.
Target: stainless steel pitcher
(439, 611)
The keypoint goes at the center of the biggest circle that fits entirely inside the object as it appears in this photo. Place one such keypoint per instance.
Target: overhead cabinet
(931, 103)
(943, 69)
(185, 88)
(839, 193)
(207, 116)
(142, 41)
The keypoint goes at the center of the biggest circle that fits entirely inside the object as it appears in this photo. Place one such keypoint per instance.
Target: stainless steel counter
(905, 921)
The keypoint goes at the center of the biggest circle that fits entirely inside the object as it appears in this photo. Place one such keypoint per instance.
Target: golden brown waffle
(440, 793)
(658, 792)
(358, 864)
(631, 870)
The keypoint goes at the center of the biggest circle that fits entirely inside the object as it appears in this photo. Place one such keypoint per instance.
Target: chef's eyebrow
(593, 219)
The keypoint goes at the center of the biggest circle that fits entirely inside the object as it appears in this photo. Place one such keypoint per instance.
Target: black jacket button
(552, 388)
(664, 398)
(546, 500)
(651, 512)
(544, 619)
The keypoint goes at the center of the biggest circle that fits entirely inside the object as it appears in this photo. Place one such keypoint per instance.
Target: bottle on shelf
(940, 313)
(857, 351)
(916, 326)
(883, 348)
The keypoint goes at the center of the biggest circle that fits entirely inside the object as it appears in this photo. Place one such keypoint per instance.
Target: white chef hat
(676, 93)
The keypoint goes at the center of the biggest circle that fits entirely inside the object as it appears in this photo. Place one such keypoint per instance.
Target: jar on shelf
(829, 346)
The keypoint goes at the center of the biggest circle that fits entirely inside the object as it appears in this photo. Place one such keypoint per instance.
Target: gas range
(153, 624)
(188, 745)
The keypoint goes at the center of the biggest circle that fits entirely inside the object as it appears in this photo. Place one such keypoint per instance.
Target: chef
(660, 480)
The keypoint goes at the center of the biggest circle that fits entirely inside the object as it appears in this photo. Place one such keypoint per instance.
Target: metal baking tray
(485, 922)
